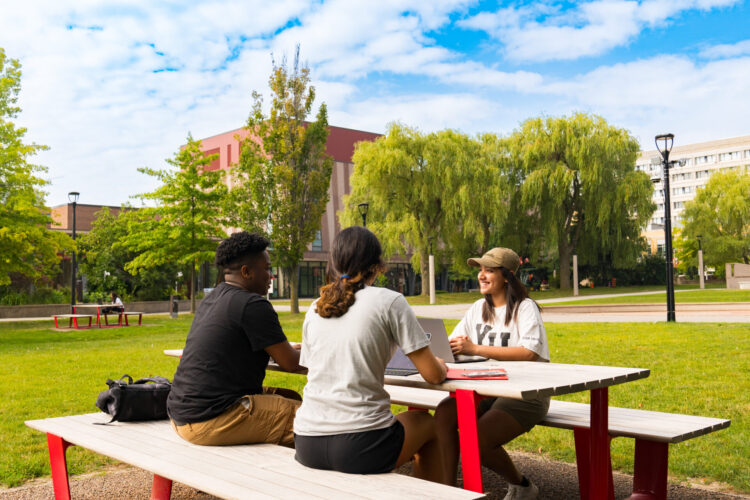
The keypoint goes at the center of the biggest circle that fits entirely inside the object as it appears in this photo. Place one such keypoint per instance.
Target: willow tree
(484, 209)
(282, 179)
(186, 224)
(720, 214)
(27, 247)
(582, 183)
(409, 179)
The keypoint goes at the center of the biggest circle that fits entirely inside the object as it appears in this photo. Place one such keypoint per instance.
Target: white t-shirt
(346, 359)
(526, 330)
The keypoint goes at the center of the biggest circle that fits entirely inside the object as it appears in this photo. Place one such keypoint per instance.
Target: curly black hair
(239, 247)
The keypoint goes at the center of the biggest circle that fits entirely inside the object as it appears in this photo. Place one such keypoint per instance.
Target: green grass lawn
(698, 369)
(661, 298)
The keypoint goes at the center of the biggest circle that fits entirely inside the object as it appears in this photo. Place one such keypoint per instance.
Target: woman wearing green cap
(505, 325)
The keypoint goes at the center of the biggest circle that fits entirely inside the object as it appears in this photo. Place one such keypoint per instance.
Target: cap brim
(479, 261)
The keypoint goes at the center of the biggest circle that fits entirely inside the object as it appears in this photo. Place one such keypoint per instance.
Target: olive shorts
(255, 418)
(528, 413)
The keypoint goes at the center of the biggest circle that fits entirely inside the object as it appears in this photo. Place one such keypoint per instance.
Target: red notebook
(477, 374)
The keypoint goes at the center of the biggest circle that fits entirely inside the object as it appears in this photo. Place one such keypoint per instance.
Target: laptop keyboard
(400, 372)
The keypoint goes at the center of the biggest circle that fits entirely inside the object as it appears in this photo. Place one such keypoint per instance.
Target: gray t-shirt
(346, 359)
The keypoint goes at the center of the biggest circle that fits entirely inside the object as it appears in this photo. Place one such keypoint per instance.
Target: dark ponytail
(354, 260)
(515, 293)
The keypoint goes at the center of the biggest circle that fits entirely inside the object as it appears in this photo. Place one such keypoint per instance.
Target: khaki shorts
(256, 418)
(528, 413)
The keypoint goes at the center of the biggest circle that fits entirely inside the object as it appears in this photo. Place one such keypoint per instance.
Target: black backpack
(128, 401)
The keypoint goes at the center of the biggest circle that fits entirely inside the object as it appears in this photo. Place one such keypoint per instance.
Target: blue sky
(113, 86)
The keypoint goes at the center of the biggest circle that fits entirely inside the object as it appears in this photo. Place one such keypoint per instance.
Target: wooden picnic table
(529, 380)
(526, 380)
(98, 308)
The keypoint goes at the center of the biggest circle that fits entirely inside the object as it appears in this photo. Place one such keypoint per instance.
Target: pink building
(340, 146)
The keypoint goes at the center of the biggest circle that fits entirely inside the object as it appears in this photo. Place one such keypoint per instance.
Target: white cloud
(726, 50)
(695, 102)
(97, 90)
(541, 32)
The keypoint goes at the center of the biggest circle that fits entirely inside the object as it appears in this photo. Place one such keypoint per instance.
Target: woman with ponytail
(349, 335)
(505, 325)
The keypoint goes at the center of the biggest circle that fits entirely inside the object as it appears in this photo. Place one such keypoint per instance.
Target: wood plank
(246, 471)
(625, 422)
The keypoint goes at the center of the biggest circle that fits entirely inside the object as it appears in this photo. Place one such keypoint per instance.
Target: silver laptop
(401, 365)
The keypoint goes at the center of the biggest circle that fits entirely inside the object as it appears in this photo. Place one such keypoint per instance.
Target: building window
(317, 244)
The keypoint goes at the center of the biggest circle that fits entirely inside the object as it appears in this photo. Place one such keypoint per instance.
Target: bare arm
(431, 368)
(464, 345)
(286, 356)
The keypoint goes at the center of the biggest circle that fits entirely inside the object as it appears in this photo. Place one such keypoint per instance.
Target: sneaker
(518, 492)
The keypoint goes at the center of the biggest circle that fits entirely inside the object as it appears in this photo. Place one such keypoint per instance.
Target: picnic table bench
(73, 320)
(653, 432)
(257, 471)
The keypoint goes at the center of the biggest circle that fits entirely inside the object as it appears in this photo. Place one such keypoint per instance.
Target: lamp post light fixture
(363, 208)
(73, 199)
(701, 276)
(664, 145)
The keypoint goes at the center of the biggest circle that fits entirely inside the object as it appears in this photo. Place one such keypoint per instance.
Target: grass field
(699, 369)
(683, 296)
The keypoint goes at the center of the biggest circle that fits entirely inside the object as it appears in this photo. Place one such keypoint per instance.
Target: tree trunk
(424, 271)
(293, 277)
(192, 289)
(564, 251)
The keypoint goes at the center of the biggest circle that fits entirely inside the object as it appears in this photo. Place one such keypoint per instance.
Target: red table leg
(161, 488)
(582, 437)
(650, 470)
(59, 466)
(599, 478)
(471, 465)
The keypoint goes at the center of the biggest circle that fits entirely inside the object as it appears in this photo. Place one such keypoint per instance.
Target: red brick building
(340, 146)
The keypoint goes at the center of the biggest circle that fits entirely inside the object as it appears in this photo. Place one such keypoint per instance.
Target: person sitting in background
(217, 396)
(117, 305)
(350, 333)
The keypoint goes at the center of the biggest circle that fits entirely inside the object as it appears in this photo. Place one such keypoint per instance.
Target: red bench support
(161, 488)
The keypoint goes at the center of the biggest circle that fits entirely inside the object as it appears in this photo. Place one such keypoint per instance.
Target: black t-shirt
(224, 357)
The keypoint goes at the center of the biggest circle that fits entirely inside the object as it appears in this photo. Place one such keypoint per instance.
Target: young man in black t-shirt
(217, 396)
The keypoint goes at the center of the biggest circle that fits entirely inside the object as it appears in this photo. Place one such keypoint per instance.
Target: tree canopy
(281, 182)
(104, 262)
(186, 224)
(27, 246)
(582, 183)
(720, 214)
(408, 179)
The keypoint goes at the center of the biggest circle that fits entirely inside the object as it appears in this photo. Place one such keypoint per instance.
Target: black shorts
(369, 452)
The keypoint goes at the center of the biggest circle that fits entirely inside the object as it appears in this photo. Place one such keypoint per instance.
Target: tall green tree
(720, 214)
(282, 179)
(484, 207)
(27, 247)
(410, 181)
(186, 224)
(104, 262)
(582, 183)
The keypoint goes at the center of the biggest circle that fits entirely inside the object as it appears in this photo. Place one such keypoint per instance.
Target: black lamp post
(73, 199)
(363, 208)
(664, 145)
